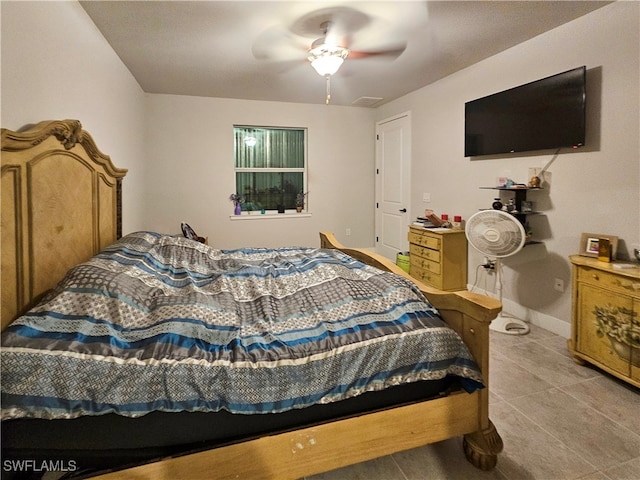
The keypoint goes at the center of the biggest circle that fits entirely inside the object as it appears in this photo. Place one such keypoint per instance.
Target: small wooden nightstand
(605, 327)
(438, 257)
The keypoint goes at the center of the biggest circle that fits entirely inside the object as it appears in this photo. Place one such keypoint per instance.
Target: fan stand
(504, 323)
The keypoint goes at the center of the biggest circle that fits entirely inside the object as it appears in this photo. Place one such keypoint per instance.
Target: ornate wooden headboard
(61, 204)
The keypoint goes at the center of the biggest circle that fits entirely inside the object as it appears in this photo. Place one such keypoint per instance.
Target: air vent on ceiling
(366, 101)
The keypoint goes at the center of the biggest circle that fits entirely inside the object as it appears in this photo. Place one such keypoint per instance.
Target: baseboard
(539, 319)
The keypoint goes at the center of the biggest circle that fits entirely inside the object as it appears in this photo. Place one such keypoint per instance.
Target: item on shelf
(534, 182)
(435, 219)
(497, 204)
(604, 250)
(423, 222)
(457, 222)
(590, 244)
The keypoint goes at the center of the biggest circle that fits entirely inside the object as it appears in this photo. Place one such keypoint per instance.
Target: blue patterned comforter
(157, 322)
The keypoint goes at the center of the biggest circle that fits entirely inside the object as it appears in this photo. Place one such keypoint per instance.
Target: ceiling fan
(341, 28)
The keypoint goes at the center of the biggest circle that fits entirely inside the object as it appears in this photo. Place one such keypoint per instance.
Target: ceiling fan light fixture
(327, 59)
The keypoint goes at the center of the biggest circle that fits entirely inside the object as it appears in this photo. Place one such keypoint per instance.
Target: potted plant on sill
(300, 201)
(237, 199)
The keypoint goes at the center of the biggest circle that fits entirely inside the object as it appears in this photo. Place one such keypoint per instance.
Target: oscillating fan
(497, 234)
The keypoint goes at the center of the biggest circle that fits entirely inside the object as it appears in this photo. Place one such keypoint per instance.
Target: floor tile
(627, 471)
(508, 379)
(583, 429)
(530, 452)
(550, 366)
(556, 343)
(441, 461)
(612, 398)
(595, 476)
(380, 468)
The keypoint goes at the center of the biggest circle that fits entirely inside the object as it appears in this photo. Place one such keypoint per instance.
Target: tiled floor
(558, 421)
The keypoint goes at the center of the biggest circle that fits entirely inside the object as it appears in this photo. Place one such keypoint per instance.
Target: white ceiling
(257, 49)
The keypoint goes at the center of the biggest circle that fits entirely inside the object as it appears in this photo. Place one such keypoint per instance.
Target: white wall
(57, 65)
(595, 189)
(190, 150)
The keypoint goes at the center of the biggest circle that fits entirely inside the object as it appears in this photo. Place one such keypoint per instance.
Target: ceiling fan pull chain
(328, 90)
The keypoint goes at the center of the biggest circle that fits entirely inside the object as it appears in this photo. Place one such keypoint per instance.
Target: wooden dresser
(605, 327)
(438, 257)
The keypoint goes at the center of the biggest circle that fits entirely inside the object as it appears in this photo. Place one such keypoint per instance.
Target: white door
(393, 185)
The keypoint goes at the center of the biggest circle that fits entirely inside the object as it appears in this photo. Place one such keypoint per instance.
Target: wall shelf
(520, 195)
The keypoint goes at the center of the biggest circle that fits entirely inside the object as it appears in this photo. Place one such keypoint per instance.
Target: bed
(368, 378)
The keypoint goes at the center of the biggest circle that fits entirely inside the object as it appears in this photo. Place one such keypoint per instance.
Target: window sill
(268, 216)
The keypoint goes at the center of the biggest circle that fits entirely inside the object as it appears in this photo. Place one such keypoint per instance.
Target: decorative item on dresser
(590, 244)
(438, 257)
(43, 163)
(605, 328)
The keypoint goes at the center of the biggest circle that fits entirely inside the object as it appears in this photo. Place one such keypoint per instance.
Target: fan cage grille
(495, 233)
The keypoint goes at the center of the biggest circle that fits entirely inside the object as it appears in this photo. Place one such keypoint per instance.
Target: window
(270, 166)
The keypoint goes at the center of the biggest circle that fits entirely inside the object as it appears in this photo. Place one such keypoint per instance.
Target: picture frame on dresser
(590, 244)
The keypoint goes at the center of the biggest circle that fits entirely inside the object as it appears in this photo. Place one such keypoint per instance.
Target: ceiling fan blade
(278, 44)
(336, 20)
(391, 53)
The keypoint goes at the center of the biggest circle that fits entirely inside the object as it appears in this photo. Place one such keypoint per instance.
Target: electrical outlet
(558, 285)
(348, 232)
(426, 197)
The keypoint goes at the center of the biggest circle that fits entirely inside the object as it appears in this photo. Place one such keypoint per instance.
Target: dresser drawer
(610, 281)
(423, 252)
(432, 278)
(425, 240)
(424, 264)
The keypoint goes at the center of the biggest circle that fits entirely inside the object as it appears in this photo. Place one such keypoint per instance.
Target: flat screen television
(545, 114)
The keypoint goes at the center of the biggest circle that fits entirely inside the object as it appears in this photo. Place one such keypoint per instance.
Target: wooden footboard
(308, 451)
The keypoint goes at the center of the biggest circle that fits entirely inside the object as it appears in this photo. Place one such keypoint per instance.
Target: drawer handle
(472, 331)
(595, 276)
(628, 286)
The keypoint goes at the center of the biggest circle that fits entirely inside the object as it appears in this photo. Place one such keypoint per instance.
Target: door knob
(403, 210)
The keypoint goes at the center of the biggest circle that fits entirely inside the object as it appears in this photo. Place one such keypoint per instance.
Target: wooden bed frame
(61, 203)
